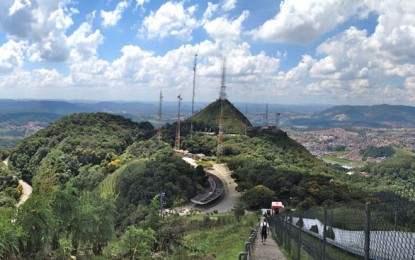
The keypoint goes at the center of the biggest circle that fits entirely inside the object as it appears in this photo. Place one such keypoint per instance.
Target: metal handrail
(244, 255)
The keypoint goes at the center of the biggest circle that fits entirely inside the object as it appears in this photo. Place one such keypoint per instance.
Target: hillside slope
(233, 120)
(75, 141)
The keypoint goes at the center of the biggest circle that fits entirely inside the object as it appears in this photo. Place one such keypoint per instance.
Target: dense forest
(99, 181)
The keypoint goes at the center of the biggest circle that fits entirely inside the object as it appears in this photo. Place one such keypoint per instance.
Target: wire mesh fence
(381, 228)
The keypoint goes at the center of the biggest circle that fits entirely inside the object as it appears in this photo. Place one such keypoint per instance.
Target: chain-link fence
(382, 228)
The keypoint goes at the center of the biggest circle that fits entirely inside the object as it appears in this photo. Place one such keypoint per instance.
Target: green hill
(234, 121)
(75, 141)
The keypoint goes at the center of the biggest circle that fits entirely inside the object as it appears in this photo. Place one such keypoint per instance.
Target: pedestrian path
(269, 251)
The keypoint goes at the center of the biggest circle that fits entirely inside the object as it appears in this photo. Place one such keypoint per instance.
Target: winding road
(231, 196)
(26, 188)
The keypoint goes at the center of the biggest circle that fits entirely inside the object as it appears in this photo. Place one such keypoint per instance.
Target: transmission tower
(222, 96)
(177, 143)
(159, 117)
(193, 97)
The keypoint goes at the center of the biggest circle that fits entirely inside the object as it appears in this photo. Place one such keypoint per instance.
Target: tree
(239, 211)
(11, 234)
(258, 196)
(95, 222)
(135, 243)
(36, 218)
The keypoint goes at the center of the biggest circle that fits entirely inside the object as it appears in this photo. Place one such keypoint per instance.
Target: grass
(222, 242)
(335, 160)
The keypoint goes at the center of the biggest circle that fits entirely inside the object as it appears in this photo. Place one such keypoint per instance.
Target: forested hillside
(99, 180)
(94, 177)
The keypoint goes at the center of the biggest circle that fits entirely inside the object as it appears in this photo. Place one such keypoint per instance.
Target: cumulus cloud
(11, 55)
(210, 10)
(43, 24)
(228, 5)
(84, 42)
(111, 18)
(302, 22)
(171, 19)
(227, 30)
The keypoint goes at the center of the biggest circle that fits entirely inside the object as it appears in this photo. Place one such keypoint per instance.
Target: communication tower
(177, 143)
(222, 96)
(193, 96)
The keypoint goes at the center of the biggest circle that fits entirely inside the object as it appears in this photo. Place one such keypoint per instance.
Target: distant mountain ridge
(372, 116)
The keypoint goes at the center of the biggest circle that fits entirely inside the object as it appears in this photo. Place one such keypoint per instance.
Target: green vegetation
(397, 171)
(99, 182)
(335, 160)
(375, 152)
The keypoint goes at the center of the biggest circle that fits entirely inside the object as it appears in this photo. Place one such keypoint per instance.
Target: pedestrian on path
(264, 230)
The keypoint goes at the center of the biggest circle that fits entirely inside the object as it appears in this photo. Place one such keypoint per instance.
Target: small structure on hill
(276, 207)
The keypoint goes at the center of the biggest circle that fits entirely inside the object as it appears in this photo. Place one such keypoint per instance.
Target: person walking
(264, 230)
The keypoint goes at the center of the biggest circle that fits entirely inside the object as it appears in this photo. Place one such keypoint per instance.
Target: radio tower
(222, 96)
(159, 116)
(177, 143)
(193, 97)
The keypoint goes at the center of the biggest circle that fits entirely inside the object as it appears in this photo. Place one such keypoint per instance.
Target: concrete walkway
(269, 251)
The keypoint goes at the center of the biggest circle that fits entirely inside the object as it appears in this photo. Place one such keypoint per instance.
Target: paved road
(26, 188)
(269, 251)
(231, 196)
(26, 192)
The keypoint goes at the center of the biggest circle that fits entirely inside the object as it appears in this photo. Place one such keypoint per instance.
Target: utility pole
(159, 117)
(177, 144)
(193, 96)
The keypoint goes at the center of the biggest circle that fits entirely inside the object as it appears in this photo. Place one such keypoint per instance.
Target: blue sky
(357, 52)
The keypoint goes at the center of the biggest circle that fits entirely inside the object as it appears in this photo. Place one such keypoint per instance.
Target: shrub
(329, 233)
(300, 223)
(314, 228)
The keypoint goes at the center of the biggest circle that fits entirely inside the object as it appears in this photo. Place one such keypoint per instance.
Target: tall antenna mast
(177, 143)
(222, 93)
(193, 97)
(222, 96)
(159, 116)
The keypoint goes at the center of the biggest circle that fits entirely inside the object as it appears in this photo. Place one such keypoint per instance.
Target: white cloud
(209, 12)
(228, 5)
(84, 42)
(11, 55)
(301, 22)
(113, 17)
(171, 19)
(43, 24)
(226, 30)
(141, 2)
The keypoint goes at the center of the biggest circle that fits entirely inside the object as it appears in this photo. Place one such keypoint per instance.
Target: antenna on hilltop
(159, 116)
(222, 93)
(177, 143)
(222, 96)
(193, 96)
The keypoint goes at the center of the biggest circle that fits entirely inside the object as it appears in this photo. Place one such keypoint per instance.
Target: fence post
(367, 231)
(290, 234)
(300, 229)
(323, 248)
(285, 231)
